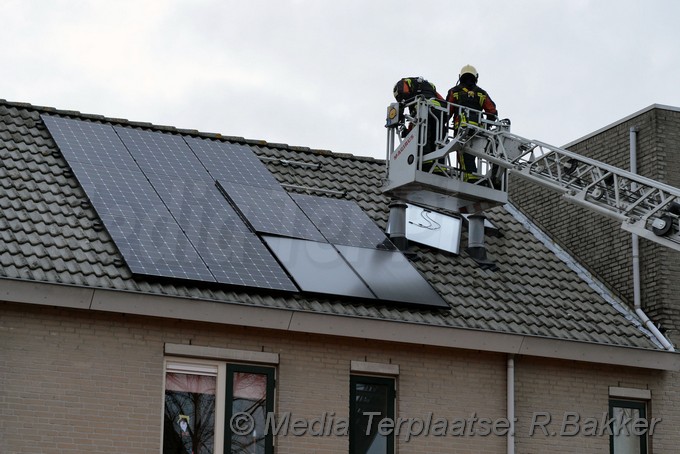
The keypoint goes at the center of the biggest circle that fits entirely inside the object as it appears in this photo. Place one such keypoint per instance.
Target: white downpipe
(511, 403)
(650, 326)
(637, 299)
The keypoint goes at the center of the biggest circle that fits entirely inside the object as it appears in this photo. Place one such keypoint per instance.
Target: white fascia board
(31, 292)
(190, 309)
(234, 313)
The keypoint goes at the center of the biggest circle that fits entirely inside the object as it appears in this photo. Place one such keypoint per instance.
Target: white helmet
(468, 69)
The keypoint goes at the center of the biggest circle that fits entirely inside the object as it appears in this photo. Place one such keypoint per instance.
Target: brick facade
(598, 242)
(82, 381)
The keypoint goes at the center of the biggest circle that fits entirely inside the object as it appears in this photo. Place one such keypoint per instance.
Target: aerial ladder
(645, 207)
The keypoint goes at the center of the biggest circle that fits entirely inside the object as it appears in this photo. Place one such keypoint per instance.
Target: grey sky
(320, 73)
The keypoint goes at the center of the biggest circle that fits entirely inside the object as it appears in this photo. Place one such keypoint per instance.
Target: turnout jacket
(472, 96)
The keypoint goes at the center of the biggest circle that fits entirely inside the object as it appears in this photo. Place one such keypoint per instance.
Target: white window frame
(212, 361)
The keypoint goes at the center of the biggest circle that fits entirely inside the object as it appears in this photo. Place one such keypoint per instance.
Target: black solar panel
(271, 211)
(391, 276)
(317, 267)
(161, 153)
(242, 259)
(343, 222)
(143, 229)
(89, 143)
(197, 205)
(234, 163)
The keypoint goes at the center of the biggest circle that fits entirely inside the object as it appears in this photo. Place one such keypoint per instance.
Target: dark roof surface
(49, 233)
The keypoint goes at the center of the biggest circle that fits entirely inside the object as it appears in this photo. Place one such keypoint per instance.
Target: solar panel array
(142, 227)
(206, 210)
(163, 209)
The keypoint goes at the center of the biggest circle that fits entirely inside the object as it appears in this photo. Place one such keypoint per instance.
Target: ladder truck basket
(423, 167)
(424, 157)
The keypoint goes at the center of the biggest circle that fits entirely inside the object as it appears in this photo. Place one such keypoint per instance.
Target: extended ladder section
(645, 207)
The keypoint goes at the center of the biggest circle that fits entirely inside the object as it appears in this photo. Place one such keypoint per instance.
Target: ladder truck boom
(644, 206)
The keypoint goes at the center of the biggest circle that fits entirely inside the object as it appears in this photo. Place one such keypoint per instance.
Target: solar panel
(242, 259)
(391, 276)
(271, 211)
(317, 267)
(144, 231)
(343, 222)
(234, 163)
(197, 205)
(89, 143)
(161, 153)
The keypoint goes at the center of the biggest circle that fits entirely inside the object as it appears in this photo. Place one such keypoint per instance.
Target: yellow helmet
(468, 69)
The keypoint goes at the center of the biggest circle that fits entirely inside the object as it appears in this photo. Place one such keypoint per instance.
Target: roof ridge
(194, 132)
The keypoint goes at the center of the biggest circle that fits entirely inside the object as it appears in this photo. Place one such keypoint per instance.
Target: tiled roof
(49, 233)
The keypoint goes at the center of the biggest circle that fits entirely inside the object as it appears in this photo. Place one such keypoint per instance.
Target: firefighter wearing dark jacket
(406, 90)
(467, 94)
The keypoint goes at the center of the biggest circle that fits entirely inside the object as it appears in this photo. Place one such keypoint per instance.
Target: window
(189, 422)
(371, 400)
(629, 427)
(202, 396)
(250, 392)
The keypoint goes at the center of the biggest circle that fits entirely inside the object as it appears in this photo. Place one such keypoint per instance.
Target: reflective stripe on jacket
(473, 97)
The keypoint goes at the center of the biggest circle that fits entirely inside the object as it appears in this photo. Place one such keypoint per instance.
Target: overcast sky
(320, 73)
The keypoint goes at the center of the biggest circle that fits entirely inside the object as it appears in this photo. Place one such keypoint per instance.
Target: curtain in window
(189, 423)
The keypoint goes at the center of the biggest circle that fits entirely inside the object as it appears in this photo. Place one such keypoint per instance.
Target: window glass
(623, 439)
(371, 400)
(250, 398)
(189, 422)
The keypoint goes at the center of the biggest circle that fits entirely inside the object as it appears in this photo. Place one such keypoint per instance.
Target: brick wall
(75, 381)
(598, 242)
(562, 387)
(84, 382)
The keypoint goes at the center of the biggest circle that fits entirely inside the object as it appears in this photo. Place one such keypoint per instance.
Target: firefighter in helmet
(405, 91)
(466, 93)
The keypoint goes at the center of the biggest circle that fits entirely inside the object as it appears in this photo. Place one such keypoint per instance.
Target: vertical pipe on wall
(511, 403)
(634, 237)
(637, 299)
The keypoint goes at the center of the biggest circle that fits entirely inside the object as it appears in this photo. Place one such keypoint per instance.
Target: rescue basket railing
(408, 121)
